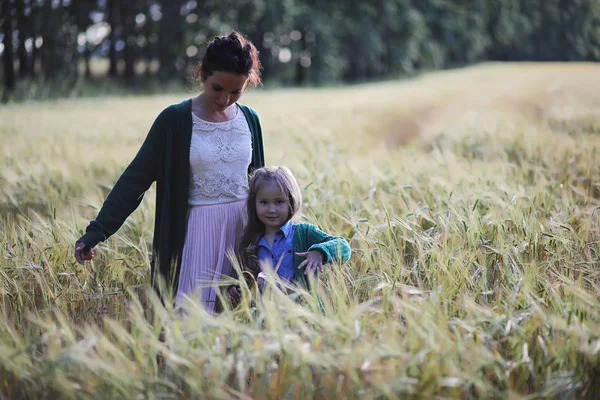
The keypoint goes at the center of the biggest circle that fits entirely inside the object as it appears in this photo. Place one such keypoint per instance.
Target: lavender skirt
(212, 231)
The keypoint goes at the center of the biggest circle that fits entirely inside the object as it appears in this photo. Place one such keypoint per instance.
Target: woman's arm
(128, 191)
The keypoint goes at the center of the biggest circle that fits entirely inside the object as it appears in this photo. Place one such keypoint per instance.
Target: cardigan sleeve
(258, 151)
(128, 191)
(334, 248)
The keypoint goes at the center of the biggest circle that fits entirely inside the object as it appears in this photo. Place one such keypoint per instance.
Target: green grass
(471, 200)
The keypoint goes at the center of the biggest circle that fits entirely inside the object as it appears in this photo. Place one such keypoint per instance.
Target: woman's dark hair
(230, 53)
(255, 229)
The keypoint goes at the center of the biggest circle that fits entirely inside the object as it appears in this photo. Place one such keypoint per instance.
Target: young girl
(271, 237)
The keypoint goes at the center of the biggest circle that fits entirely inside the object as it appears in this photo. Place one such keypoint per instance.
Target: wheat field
(471, 200)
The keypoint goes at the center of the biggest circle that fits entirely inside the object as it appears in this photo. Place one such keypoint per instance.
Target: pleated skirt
(212, 231)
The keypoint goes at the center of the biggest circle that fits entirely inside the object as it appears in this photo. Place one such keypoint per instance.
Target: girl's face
(272, 206)
(222, 89)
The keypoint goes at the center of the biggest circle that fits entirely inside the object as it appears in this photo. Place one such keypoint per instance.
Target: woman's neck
(200, 108)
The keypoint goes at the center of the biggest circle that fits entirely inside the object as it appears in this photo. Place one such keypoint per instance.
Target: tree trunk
(170, 40)
(82, 10)
(34, 31)
(48, 50)
(87, 55)
(300, 78)
(147, 53)
(8, 55)
(24, 33)
(127, 13)
(264, 54)
(112, 52)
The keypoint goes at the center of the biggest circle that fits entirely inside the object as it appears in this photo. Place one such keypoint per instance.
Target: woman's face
(222, 89)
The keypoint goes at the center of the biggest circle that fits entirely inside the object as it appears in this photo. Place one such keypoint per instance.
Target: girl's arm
(334, 248)
(128, 191)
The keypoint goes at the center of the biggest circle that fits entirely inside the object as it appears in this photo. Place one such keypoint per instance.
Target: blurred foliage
(300, 42)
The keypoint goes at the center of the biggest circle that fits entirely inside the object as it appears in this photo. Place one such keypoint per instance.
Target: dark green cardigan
(309, 237)
(165, 158)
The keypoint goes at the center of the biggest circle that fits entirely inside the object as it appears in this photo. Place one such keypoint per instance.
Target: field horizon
(470, 198)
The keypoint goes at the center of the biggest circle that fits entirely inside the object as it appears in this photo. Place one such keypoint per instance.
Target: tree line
(55, 42)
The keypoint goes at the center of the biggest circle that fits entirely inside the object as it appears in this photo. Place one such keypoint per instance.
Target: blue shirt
(281, 253)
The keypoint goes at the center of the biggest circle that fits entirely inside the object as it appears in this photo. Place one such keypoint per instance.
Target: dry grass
(471, 201)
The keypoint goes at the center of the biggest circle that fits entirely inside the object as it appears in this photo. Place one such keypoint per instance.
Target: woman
(200, 153)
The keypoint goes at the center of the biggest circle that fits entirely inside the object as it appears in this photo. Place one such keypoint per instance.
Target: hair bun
(231, 53)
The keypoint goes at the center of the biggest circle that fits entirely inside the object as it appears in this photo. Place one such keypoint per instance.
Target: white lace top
(220, 153)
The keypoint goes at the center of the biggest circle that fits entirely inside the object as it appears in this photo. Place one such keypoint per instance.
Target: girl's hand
(82, 253)
(314, 260)
(262, 280)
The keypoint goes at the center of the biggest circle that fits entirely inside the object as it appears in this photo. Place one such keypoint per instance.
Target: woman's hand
(82, 253)
(314, 260)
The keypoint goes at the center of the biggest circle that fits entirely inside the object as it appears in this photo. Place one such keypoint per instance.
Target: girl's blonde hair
(255, 229)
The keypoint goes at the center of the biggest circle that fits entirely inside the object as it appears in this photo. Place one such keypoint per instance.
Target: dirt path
(493, 94)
